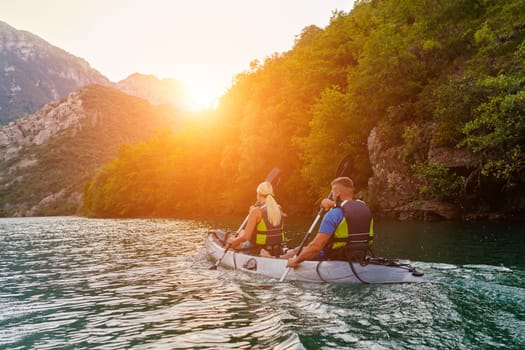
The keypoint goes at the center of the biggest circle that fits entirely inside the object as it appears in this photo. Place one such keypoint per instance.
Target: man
(346, 230)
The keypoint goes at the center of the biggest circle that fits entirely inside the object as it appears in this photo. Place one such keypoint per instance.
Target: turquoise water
(74, 283)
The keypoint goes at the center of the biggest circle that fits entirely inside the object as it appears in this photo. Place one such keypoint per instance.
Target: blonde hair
(265, 189)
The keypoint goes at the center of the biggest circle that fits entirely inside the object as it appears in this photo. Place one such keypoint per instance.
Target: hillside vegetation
(48, 178)
(423, 73)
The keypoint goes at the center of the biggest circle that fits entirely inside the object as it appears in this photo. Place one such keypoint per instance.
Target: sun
(201, 96)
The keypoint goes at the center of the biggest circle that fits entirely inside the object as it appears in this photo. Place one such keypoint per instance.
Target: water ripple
(143, 284)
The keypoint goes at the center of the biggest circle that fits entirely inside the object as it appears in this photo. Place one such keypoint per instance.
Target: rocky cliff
(394, 189)
(46, 158)
(38, 128)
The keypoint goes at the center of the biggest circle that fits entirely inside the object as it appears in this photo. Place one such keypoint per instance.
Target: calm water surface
(75, 283)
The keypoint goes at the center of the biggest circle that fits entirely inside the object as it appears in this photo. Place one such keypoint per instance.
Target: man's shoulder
(335, 215)
(331, 220)
(355, 203)
(335, 211)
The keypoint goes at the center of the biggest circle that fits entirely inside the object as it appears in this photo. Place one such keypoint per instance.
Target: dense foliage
(455, 67)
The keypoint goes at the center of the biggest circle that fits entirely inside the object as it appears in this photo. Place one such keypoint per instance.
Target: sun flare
(201, 96)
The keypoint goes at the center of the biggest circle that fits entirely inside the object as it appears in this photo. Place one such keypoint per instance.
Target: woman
(264, 230)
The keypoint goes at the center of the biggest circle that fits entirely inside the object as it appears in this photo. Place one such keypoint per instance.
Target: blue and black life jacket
(268, 236)
(355, 232)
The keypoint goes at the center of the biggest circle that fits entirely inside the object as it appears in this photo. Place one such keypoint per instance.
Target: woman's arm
(254, 217)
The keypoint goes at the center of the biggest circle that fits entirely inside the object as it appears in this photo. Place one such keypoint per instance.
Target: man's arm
(310, 251)
(326, 229)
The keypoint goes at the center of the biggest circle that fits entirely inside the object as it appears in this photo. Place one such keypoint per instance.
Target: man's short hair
(343, 181)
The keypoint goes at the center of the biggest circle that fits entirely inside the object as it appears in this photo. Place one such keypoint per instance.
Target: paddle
(341, 168)
(272, 175)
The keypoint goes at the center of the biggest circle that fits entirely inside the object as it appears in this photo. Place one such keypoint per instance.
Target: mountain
(65, 120)
(47, 157)
(156, 91)
(33, 72)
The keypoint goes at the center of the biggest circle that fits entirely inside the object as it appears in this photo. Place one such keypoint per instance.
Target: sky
(201, 43)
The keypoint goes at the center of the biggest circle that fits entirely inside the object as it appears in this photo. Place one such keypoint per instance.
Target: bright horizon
(203, 44)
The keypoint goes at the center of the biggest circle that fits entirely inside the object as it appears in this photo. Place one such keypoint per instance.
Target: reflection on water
(70, 282)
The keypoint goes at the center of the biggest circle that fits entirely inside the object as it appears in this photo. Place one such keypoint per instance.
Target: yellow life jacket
(268, 236)
(356, 229)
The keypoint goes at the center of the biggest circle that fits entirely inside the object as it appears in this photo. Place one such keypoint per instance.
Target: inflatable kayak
(372, 270)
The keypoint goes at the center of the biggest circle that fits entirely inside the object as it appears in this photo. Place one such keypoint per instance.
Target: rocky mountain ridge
(33, 72)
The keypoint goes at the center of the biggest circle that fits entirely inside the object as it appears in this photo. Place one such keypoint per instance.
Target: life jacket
(354, 234)
(268, 236)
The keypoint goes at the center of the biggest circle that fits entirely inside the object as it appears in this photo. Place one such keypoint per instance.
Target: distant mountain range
(60, 120)
(33, 72)
(149, 87)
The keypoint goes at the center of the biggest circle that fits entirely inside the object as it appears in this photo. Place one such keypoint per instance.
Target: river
(76, 283)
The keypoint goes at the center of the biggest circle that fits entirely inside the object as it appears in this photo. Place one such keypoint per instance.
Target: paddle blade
(212, 267)
(344, 165)
(272, 175)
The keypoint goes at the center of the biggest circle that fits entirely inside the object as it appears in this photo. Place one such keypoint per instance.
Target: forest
(448, 72)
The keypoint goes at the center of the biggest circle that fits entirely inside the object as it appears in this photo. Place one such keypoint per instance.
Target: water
(74, 283)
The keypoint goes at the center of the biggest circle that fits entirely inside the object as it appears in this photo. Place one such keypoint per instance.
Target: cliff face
(394, 190)
(46, 158)
(392, 185)
(36, 129)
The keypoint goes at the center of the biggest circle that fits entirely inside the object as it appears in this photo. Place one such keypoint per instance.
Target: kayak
(371, 270)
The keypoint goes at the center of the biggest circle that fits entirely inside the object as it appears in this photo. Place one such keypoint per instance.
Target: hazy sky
(202, 43)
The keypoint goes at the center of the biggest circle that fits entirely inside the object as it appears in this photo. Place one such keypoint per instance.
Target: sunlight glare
(202, 95)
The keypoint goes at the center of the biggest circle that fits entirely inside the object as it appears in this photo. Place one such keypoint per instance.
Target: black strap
(317, 267)
(355, 273)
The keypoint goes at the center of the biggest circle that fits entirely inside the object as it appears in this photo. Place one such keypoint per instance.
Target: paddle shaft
(218, 262)
(301, 246)
(309, 232)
